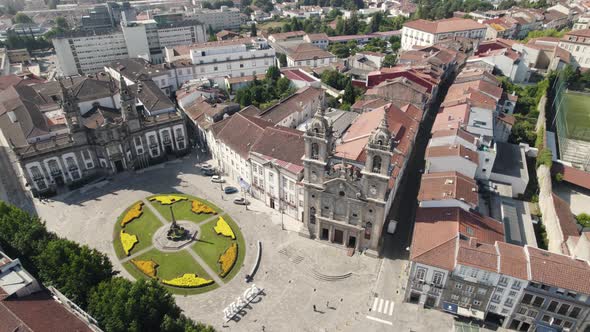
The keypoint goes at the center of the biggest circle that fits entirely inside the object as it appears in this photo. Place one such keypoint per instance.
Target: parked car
(241, 201)
(217, 179)
(208, 172)
(205, 166)
(230, 190)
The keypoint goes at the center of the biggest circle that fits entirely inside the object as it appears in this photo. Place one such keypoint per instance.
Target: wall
(65, 58)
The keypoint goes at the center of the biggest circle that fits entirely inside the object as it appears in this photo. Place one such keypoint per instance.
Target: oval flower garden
(218, 242)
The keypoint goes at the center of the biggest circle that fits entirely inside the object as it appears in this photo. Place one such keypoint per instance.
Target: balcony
(55, 172)
(73, 168)
(180, 138)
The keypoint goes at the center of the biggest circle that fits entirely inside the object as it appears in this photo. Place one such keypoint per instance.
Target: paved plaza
(355, 293)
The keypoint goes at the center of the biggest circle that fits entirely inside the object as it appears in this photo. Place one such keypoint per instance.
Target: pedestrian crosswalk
(383, 306)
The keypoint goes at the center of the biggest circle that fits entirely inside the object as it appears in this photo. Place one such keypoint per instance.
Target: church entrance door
(352, 242)
(325, 234)
(338, 236)
(119, 166)
(272, 203)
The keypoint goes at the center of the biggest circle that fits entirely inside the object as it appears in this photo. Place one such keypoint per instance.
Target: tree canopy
(85, 276)
(22, 18)
(267, 92)
(122, 305)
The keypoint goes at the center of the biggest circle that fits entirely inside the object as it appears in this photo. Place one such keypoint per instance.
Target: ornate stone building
(69, 132)
(346, 200)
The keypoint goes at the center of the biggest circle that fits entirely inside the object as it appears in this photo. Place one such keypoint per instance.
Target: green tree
(121, 305)
(273, 73)
(389, 61)
(376, 21)
(282, 59)
(283, 87)
(22, 235)
(253, 31)
(340, 50)
(62, 23)
(73, 269)
(349, 95)
(583, 219)
(22, 18)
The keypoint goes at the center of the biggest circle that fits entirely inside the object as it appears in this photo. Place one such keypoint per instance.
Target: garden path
(206, 267)
(144, 250)
(155, 211)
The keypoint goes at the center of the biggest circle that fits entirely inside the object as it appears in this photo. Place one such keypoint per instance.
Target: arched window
(312, 215)
(368, 230)
(54, 167)
(315, 151)
(376, 164)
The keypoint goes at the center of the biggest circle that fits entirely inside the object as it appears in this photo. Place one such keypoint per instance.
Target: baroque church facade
(345, 201)
(67, 136)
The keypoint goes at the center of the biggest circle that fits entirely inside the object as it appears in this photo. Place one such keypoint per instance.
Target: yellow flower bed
(188, 280)
(199, 208)
(223, 228)
(147, 267)
(128, 241)
(228, 259)
(133, 213)
(168, 199)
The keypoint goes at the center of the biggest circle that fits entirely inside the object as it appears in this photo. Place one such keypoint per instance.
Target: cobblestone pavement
(296, 273)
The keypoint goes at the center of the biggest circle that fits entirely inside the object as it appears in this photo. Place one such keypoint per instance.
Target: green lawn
(210, 246)
(173, 264)
(143, 227)
(182, 209)
(578, 115)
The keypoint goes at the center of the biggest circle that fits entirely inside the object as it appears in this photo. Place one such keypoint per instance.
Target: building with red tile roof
(425, 33)
(448, 189)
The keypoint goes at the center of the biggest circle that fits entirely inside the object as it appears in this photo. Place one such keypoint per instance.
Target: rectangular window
(516, 284)
(575, 312)
(459, 286)
(481, 291)
(455, 297)
(512, 294)
(470, 289)
(522, 310)
(474, 273)
(509, 302)
(503, 281)
(527, 298)
(538, 301)
(563, 309)
(437, 278)
(552, 306)
(546, 318)
(532, 313)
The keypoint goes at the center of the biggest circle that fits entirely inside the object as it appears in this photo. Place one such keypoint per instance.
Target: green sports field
(577, 107)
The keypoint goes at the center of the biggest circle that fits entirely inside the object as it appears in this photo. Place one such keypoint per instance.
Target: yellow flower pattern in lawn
(188, 280)
(223, 228)
(168, 199)
(133, 213)
(147, 267)
(228, 259)
(128, 241)
(199, 208)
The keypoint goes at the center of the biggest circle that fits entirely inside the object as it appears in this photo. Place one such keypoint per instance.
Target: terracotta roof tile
(445, 25)
(282, 144)
(306, 51)
(559, 270)
(513, 260)
(456, 150)
(480, 255)
(241, 132)
(292, 104)
(448, 185)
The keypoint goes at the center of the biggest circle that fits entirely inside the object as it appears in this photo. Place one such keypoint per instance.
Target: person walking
(314, 308)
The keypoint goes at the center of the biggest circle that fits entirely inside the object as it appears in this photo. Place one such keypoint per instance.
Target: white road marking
(391, 308)
(375, 304)
(385, 307)
(380, 305)
(379, 320)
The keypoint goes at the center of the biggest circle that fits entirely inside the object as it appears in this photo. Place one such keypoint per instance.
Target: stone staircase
(295, 258)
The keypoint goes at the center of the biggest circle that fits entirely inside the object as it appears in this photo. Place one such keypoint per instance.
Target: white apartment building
(582, 23)
(86, 53)
(233, 58)
(427, 33)
(577, 42)
(224, 18)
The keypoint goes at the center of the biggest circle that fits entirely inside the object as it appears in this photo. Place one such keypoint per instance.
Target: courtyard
(350, 293)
